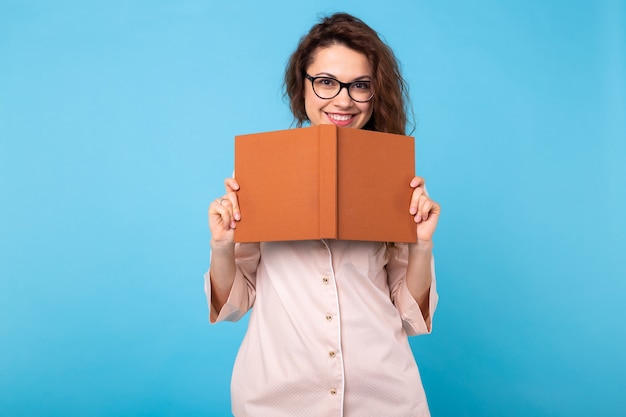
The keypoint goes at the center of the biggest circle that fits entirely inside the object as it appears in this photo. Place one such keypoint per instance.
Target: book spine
(328, 181)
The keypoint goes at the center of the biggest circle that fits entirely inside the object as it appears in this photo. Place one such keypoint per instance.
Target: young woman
(328, 332)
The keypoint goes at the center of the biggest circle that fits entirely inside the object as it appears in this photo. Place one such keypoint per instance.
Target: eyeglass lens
(328, 88)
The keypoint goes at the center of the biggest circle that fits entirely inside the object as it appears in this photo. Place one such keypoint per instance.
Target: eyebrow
(329, 75)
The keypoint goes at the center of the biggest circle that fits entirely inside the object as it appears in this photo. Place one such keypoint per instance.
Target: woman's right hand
(224, 213)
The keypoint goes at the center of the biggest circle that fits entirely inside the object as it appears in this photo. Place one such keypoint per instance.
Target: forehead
(339, 61)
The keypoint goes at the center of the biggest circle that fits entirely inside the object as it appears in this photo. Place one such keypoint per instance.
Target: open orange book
(324, 182)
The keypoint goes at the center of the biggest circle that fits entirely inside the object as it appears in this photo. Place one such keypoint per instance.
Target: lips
(340, 119)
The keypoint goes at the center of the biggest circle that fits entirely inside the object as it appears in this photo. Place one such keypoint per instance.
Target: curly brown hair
(390, 102)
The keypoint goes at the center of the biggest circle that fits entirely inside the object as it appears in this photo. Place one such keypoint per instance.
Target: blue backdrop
(117, 121)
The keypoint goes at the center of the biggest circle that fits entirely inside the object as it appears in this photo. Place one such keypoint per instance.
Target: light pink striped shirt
(328, 332)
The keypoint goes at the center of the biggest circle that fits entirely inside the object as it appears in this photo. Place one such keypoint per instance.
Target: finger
(231, 185)
(231, 201)
(417, 182)
(421, 209)
(415, 199)
(220, 214)
(427, 209)
(425, 205)
(217, 211)
(225, 202)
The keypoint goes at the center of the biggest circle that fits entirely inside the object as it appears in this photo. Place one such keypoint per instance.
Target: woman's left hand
(425, 211)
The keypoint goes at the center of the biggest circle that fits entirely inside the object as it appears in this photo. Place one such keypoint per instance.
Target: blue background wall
(116, 127)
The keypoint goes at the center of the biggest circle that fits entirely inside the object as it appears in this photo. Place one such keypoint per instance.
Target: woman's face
(346, 65)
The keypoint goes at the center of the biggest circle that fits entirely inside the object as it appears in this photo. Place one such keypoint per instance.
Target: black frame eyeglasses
(347, 86)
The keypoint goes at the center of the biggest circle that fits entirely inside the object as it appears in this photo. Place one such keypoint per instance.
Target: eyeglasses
(327, 88)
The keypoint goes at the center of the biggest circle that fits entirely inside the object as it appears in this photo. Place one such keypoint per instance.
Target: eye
(326, 82)
(361, 85)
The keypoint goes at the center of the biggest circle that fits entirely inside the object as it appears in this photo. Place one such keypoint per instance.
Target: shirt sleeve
(243, 291)
(413, 320)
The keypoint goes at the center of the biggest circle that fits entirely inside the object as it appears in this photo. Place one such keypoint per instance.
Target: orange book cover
(324, 182)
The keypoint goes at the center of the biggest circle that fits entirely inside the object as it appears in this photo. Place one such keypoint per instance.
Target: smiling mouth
(340, 117)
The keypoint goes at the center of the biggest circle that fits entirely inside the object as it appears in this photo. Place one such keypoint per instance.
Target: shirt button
(333, 392)
(329, 317)
(325, 280)
(331, 354)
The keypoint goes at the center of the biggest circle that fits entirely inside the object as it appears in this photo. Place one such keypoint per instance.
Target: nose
(343, 99)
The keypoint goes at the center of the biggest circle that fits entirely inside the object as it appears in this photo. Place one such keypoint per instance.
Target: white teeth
(340, 117)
